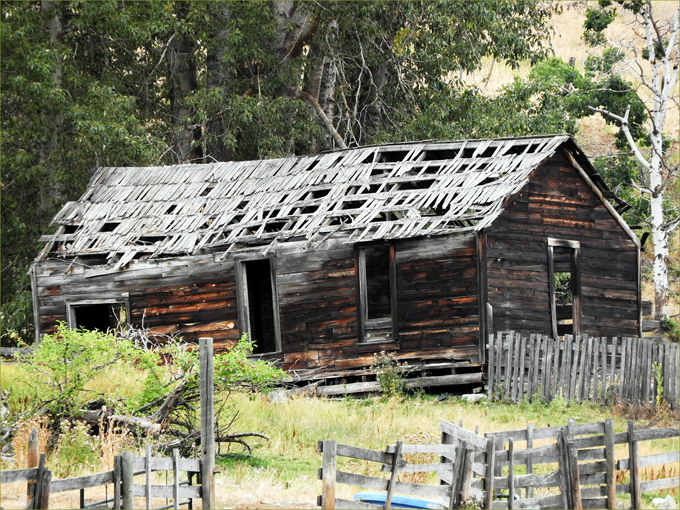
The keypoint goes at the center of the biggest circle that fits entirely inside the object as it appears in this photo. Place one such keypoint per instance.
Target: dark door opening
(261, 315)
(99, 317)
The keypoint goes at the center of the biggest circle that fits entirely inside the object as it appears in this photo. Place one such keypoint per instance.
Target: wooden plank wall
(437, 295)
(191, 297)
(634, 370)
(558, 203)
(317, 295)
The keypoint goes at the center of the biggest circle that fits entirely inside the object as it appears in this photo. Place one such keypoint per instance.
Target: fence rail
(122, 479)
(579, 468)
(641, 371)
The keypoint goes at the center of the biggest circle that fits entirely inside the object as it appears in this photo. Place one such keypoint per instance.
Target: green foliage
(65, 362)
(671, 329)
(96, 83)
(391, 374)
(597, 21)
(16, 319)
(68, 360)
(76, 450)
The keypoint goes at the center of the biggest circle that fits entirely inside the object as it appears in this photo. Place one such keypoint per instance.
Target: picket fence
(640, 371)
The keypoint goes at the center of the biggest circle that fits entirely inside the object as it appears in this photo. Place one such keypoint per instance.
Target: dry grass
(567, 43)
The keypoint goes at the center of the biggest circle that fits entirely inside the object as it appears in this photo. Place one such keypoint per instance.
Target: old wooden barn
(420, 249)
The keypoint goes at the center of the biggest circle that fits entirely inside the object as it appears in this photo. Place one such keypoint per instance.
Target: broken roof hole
(208, 189)
(392, 156)
(311, 209)
(353, 204)
(320, 193)
(171, 209)
(423, 183)
(71, 229)
(276, 226)
(148, 240)
(109, 226)
(438, 155)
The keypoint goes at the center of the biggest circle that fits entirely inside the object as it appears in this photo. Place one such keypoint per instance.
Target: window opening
(98, 316)
(377, 293)
(564, 287)
(261, 311)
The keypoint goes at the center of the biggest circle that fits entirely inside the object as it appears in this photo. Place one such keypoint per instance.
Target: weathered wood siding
(558, 203)
(437, 295)
(317, 297)
(191, 296)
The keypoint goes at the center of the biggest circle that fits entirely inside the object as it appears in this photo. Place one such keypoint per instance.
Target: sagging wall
(559, 204)
(317, 299)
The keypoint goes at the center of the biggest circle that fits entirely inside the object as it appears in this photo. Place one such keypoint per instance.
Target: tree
(119, 83)
(651, 54)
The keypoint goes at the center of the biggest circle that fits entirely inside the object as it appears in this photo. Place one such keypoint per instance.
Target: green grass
(284, 467)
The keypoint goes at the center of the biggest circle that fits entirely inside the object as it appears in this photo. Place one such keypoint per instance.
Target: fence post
(489, 473)
(565, 478)
(393, 475)
(575, 476)
(32, 462)
(530, 462)
(207, 423)
(511, 473)
(127, 480)
(43, 489)
(610, 463)
(328, 470)
(175, 478)
(37, 485)
(635, 493)
(116, 481)
(149, 475)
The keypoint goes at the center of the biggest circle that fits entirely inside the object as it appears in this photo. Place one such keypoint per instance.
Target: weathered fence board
(640, 371)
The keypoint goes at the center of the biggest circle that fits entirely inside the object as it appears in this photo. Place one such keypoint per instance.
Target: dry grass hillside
(594, 135)
(567, 42)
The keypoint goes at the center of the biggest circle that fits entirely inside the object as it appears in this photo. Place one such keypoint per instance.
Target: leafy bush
(390, 373)
(65, 362)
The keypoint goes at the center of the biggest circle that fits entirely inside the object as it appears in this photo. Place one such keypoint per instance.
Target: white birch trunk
(660, 81)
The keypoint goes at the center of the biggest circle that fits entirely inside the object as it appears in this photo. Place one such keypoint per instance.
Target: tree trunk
(660, 85)
(182, 78)
(52, 193)
(219, 76)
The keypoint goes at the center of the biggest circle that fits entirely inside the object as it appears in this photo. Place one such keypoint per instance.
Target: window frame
(362, 297)
(575, 262)
(72, 305)
(243, 301)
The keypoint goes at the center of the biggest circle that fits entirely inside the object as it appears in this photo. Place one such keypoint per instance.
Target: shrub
(65, 362)
(390, 373)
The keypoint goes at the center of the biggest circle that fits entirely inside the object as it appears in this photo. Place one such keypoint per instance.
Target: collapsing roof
(364, 194)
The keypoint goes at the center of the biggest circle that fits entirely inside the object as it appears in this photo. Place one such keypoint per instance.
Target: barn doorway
(260, 306)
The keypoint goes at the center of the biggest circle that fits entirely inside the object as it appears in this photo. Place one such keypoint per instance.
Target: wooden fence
(578, 462)
(126, 467)
(640, 371)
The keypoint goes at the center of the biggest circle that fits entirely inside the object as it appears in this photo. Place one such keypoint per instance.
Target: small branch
(322, 115)
(626, 131)
(160, 60)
